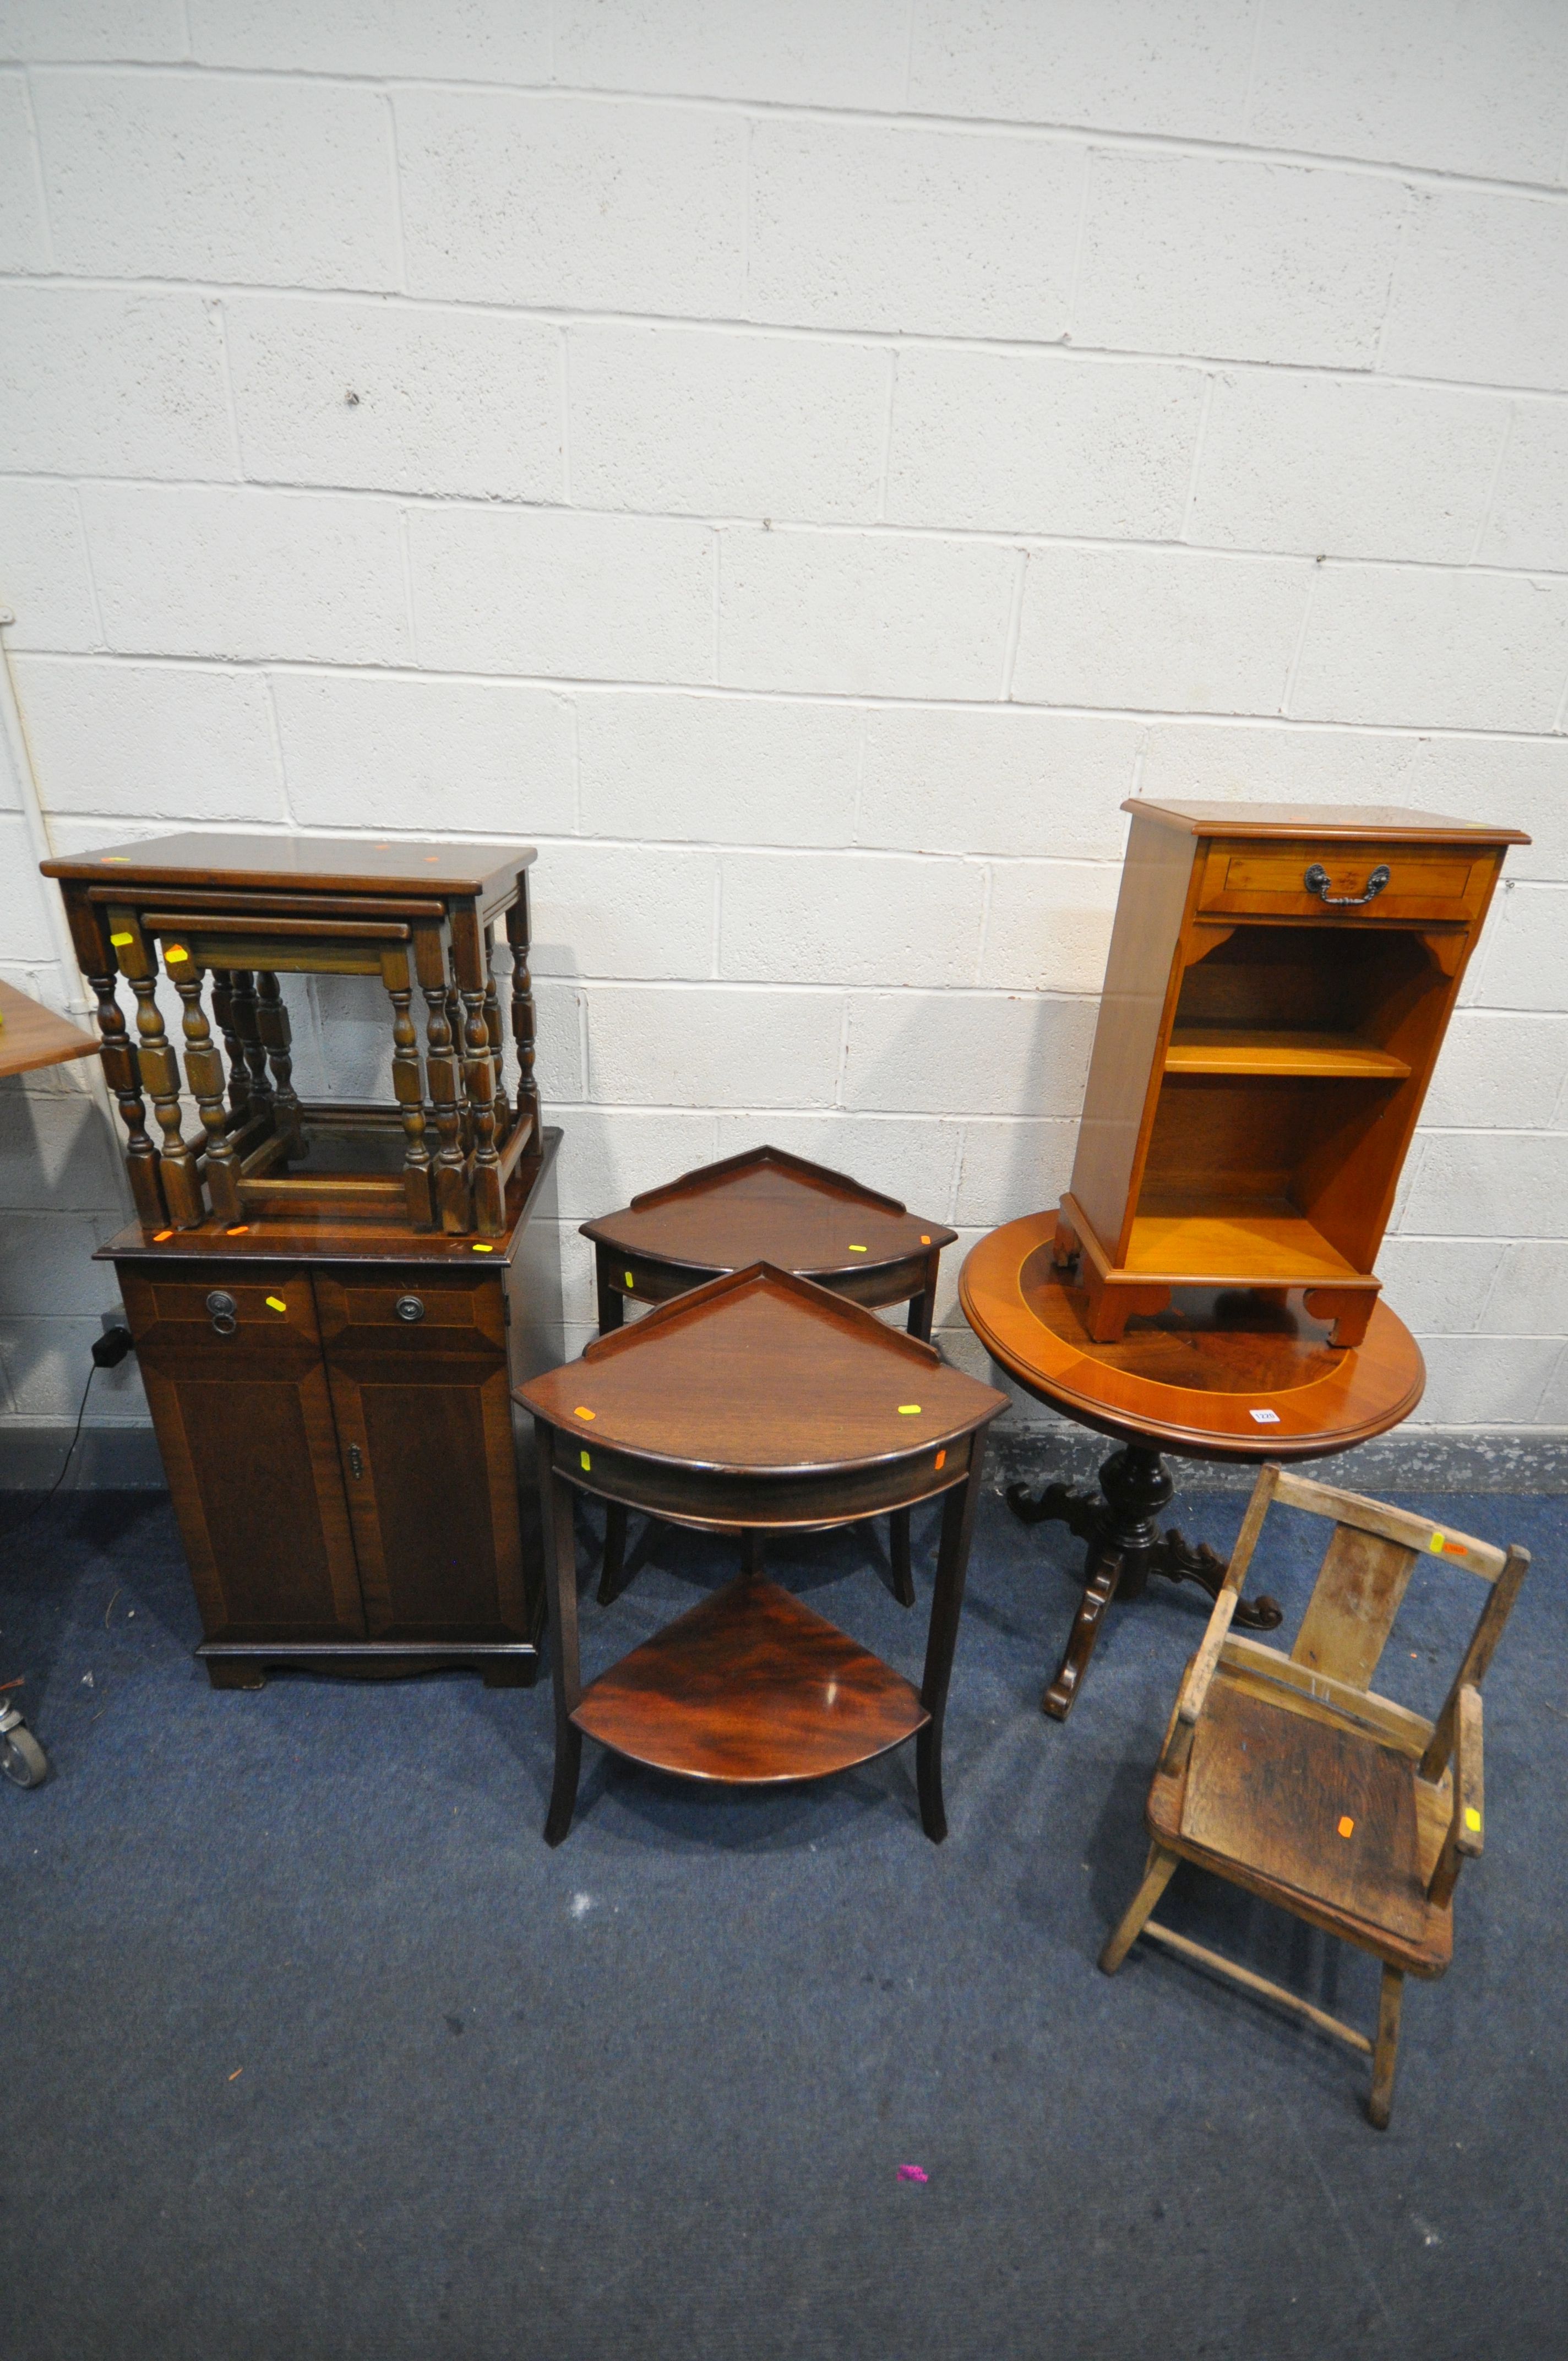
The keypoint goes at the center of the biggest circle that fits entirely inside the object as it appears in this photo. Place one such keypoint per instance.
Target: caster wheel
(22, 1759)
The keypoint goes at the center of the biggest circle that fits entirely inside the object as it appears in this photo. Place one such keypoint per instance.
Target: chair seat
(1307, 1811)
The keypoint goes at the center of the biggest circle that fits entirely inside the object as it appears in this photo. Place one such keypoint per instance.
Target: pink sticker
(912, 2172)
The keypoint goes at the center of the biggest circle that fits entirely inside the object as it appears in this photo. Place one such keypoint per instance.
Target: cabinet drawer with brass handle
(1308, 879)
(427, 1311)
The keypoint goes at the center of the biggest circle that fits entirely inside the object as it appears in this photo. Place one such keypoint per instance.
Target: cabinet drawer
(230, 1310)
(1425, 881)
(416, 1311)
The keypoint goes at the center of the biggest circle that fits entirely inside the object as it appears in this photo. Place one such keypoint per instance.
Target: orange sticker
(581, 1412)
(238, 1231)
(941, 1459)
(158, 1237)
(923, 1240)
(1347, 1825)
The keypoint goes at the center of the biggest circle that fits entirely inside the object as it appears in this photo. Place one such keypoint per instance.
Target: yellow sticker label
(1472, 1819)
(1437, 1543)
(629, 1280)
(276, 1304)
(581, 1412)
(859, 1249)
(1347, 1825)
(908, 1409)
(172, 951)
(119, 941)
(478, 1248)
(587, 1462)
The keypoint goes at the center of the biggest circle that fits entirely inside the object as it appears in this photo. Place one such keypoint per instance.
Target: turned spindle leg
(161, 1078)
(453, 1209)
(478, 1074)
(124, 1077)
(204, 1074)
(523, 1025)
(278, 1040)
(408, 1089)
(501, 1104)
(247, 1030)
(239, 1073)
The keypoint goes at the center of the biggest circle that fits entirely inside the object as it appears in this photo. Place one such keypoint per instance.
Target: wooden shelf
(1212, 1049)
(749, 1688)
(1193, 1238)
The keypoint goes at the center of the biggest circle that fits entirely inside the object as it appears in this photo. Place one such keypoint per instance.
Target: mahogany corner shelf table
(765, 1205)
(1222, 1375)
(757, 1402)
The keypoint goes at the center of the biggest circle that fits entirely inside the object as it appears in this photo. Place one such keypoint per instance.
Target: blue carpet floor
(309, 2047)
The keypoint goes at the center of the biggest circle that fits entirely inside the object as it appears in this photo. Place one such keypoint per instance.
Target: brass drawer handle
(409, 1308)
(1315, 880)
(224, 1311)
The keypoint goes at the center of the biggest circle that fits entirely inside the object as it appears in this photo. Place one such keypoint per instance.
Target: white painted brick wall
(806, 467)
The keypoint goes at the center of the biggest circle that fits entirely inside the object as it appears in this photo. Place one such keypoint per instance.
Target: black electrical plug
(110, 1349)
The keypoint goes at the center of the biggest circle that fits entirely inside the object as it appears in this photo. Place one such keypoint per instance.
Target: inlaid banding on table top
(1189, 1378)
(842, 1389)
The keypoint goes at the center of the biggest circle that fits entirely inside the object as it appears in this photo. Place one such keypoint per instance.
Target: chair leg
(1386, 2055)
(1159, 1870)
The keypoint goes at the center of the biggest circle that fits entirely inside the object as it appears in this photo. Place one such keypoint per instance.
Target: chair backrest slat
(1395, 1524)
(1355, 1600)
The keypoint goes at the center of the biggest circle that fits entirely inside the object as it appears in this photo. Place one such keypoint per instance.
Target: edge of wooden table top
(1351, 1396)
(33, 1037)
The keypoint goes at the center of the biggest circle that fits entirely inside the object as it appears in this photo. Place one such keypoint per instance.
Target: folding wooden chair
(1289, 1776)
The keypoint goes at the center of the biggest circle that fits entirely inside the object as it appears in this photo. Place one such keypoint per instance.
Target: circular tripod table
(758, 1403)
(1236, 1376)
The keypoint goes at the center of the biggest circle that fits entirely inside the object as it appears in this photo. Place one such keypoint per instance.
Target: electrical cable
(76, 1437)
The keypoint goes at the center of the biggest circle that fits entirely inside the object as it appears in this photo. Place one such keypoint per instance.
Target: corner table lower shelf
(1235, 1376)
(759, 1403)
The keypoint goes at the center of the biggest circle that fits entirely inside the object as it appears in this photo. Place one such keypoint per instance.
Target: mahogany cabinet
(333, 1402)
(1279, 983)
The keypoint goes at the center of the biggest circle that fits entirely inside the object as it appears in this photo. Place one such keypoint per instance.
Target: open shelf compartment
(750, 1688)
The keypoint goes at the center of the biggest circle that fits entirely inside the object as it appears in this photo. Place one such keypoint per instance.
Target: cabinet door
(423, 1402)
(244, 1422)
